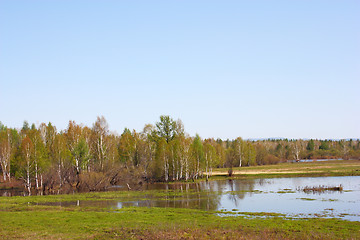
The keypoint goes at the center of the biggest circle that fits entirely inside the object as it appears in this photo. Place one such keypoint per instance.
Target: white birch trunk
(5, 160)
(206, 168)
(77, 165)
(36, 175)
(28, 182)
(198, 167)
(166, 170)
(59, 173)
(240, 160)
(181, 168)
(4, 172)
(186, 169)
(41, 184)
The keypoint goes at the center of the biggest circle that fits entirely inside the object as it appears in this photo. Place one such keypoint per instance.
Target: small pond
(273, 195)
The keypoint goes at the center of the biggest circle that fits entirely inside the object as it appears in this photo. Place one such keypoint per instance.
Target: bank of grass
(163, 223)
(303, 169)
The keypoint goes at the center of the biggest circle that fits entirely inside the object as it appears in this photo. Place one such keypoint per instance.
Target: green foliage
(324, 145)
(126, 131)
(2, 127)
(166, 128)
(211, 157)
(157, 167)
(127, 147)
(161, 152)
(80, 153)
(26, 126)
(311, 145)
(198, 156)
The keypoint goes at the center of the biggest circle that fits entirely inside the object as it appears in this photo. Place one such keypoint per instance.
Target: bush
(271, 159)
(230, 172)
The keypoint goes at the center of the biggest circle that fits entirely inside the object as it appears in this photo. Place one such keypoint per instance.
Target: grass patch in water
(307, 199)
(243, 191)
(286, 190)
(329, 200)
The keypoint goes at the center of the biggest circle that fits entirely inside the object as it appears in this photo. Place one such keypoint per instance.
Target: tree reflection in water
(199, 195)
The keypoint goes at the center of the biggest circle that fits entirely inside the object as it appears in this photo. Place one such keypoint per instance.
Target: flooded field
(282, 196)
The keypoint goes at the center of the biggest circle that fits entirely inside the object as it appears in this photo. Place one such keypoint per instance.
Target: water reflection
(278, 195)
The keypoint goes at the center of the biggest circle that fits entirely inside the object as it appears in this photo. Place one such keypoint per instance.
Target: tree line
(89, 159)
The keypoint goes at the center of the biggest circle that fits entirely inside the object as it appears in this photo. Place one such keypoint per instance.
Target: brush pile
(321, 189)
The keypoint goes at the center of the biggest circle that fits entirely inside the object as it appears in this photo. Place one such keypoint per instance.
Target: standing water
(273, 195)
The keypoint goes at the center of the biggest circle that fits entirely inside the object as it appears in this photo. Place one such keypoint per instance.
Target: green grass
(175, 223)
(19, 219)
(22, 218)
(96, 196)
(307, 199)
(308, 169)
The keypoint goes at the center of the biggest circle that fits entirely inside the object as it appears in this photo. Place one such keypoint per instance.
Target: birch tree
(61, 153)
(40, 158)
(5, 153)
(73, 136)
(81, 154)
(101, 131)
(184, 155)
(127, 148)
(297, 148)
(210, 156)
(239, 150)
(27, 149)
(149, 148)
(198, 155)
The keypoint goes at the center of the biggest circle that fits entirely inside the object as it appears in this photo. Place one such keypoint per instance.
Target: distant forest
(89, 159)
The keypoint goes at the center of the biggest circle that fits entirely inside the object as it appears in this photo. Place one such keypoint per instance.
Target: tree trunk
(186, 169)
(166, 169)
(41, 184)
(59, 175)
(36, 175)
(4, 174)
(181, 168)
(77, 165)
(240, 160)
(173, 165)
(28, 182)
(198, 167)
(5, 159)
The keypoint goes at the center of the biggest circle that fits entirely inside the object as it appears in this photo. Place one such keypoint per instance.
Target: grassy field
(306, 169)
(30, 218)
(27, 221)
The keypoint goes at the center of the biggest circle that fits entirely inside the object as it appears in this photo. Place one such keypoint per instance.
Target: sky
(227, 69)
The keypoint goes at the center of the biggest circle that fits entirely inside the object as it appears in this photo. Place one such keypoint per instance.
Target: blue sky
(254, 69)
